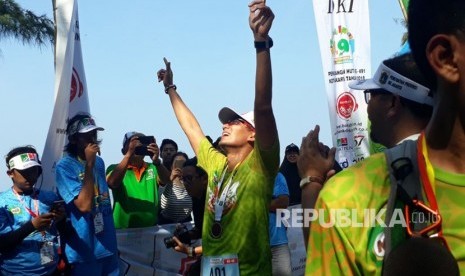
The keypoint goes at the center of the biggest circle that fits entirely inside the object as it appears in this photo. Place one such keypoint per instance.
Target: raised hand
(260, 19)
(315, 159)
(91, 151)
(166, 75)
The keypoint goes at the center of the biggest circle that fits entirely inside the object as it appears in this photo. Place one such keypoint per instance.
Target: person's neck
(23, 192)
(136, 162)
(236, 155)
(445, 135)
(406, 126)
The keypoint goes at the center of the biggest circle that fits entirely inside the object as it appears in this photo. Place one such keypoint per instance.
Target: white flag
(344, 36)
(70, 86)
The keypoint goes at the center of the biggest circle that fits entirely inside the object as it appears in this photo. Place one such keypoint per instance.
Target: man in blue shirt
(27, 219)
(90, 245)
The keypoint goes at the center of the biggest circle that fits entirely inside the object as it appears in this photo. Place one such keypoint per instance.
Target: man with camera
(134, 182)
(241, 183)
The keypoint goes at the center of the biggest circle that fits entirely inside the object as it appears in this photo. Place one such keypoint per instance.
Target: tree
(24, 25)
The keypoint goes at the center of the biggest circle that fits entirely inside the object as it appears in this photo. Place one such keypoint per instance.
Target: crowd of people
(232, 188)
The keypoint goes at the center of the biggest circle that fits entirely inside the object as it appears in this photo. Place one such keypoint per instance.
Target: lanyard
(426, 174)
(220, 201)
(21, 200)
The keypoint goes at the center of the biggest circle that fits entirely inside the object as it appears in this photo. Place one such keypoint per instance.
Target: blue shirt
(25, 258)
(278, 235)
(81, 242)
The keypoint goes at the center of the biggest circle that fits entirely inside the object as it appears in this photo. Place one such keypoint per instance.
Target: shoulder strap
(405, 182)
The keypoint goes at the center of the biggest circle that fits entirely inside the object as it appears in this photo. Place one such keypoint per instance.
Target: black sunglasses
(368, 93)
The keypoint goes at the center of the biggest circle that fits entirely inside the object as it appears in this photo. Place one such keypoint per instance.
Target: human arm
(191, 251)
(12, 239)
(84, 200)
(184, 115)
(314, 160)
(163, 172)
(260, 21)
(115, 177)
(280, 194)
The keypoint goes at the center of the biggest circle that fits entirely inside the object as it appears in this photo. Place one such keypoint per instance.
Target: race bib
(47, 253)
(224, 265)
(98, 222)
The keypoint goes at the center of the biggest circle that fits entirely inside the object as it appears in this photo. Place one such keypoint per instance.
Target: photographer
(195, 179)
(134, 183)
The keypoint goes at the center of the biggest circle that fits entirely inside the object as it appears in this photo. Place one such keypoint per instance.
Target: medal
(217, 230)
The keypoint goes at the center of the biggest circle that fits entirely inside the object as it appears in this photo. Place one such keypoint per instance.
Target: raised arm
(186, 118)
(260, 21)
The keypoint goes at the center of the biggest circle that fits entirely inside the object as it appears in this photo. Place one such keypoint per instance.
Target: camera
(145, 141)
(182, 233)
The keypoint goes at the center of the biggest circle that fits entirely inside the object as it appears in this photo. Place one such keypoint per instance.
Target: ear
(395, 107)
(251, 137)
(441, 54)
(10, 173)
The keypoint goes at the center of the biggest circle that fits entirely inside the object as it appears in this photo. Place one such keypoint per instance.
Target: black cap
(292, 148)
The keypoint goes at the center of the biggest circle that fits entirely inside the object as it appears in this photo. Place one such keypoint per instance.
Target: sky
(210, 46)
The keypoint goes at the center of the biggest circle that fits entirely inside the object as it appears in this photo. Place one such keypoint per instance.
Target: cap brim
(90, 128)
(363, 84)
(226, 115)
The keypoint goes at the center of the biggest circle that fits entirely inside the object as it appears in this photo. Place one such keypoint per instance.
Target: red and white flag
(71, 95)
(344, 36)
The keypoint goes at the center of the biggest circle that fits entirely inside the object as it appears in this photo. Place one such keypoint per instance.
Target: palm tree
(24, 25)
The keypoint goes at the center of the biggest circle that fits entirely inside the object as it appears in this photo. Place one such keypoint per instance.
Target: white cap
(227, 115)
(84, 125)
(389, 80)
(24, 161)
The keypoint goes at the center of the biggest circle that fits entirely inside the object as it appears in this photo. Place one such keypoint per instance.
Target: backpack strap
(405, 186)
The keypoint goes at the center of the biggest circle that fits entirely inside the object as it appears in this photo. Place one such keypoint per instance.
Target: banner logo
(342, 45)
(342, 142)
(346, 105)
(76, 86)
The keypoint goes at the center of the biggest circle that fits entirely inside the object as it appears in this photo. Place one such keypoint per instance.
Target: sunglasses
(368, 93)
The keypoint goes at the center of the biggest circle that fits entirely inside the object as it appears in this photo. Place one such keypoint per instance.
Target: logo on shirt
(150, 174)
(230, 200)
(378, 245)
(15, 211)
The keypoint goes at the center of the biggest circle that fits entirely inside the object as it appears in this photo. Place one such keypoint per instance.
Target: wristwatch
(264, 44)
(309, 179)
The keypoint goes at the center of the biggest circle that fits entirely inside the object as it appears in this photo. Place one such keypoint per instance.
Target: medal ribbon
(219, 203)
(36, 204)
(427, 174)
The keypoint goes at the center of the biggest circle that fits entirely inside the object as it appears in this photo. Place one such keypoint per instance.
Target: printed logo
(346, 105)
(358, 139)
(150, 174)
(378, 245)
(76, 86)
(383, 78)
(15, 211)
(342, 142)
(342, 45)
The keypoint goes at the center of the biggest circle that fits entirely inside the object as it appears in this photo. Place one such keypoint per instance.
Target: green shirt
(358, 249)
(136, 202)
(245, 215)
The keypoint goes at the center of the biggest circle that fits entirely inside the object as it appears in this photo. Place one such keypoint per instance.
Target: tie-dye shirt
(364, 188)
(245, 215)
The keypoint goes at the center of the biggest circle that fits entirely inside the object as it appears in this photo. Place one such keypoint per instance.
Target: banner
(344, 36)
(70, 86)
(403, 6)
(143, 252)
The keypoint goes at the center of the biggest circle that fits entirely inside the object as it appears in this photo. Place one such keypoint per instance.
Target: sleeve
(110, 169)
(280, 186)
(329, 249)
(11, 239)
(68, 183)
